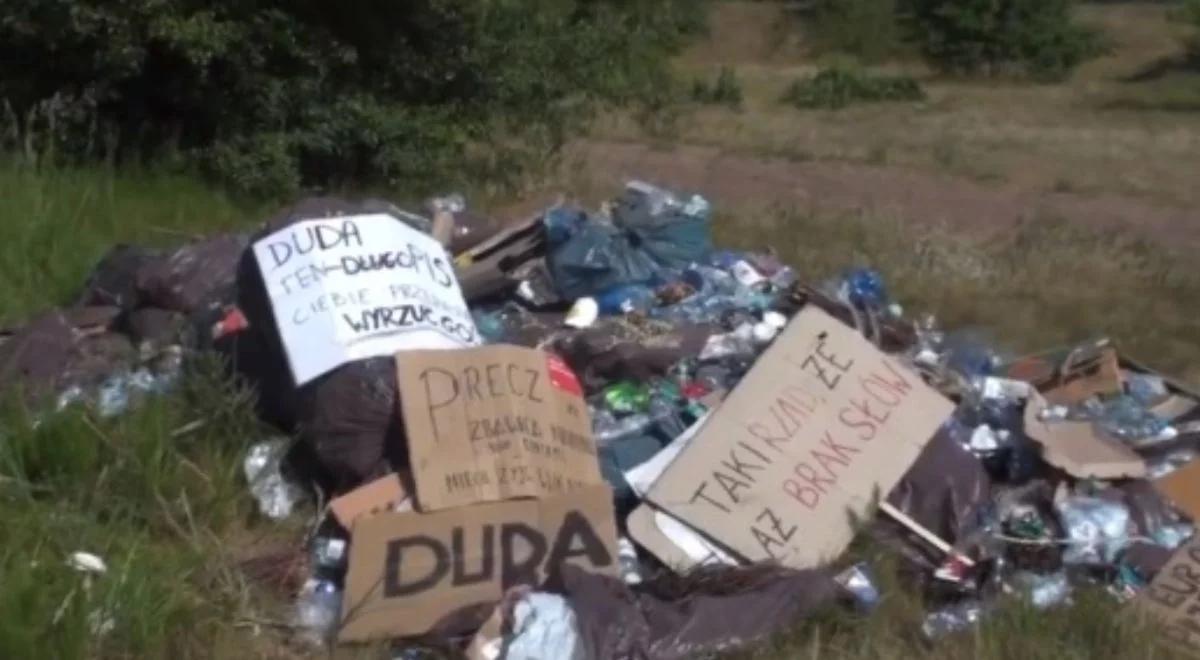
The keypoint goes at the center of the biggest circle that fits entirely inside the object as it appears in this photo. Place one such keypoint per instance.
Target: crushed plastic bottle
(627, 561)
(627, 397)
(276, 496)
(1097, 529)
(1146, 389)
(859, 583)
(318, 610)
(626, 299)
(955, 618)
(864, 287)
(607, 427)
(1123, 417)
(1043, 591)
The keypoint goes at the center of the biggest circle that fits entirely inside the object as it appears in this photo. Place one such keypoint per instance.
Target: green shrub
(837, 87)
(278, 94)
(725, 90)
(866, 29)
(1037, 38)
(1188, 13)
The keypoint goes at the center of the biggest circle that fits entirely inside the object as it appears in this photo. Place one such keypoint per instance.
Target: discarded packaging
(276, 496)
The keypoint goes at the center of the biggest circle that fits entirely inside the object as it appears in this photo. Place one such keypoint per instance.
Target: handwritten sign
(412, 573)
(354, 287)
(493, 423)
(822, 420)
(1173, 598)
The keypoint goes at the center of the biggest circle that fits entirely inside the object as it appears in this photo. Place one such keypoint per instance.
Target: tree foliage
(276, 94)
(1039, 38)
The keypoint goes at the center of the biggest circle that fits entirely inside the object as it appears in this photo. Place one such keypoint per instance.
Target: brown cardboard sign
(1182, 487)
(385, 494)
(414, 573)
(493, 423)
(1174, 599)
(1078, 449)
(821, 422)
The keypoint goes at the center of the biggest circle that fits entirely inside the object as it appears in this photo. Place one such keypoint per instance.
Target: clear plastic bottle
(318, 609)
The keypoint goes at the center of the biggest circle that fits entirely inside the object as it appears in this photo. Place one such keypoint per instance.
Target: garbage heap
(594, 435)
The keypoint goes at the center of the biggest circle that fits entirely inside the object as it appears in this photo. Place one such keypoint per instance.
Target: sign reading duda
(414, 573)
(353, 287)
(493, 423)
(822, 421)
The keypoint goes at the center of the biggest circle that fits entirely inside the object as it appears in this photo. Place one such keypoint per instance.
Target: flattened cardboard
(1174, 599)
(484, 269)
(385, 494)
(678, 546)
(415, 573)
(1098, 374)
(1182, 487)
(1078, 449)
(493, 423)
(822, 421)
(1174, 407)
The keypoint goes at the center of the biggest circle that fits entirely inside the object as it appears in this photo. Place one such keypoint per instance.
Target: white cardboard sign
(353, 287)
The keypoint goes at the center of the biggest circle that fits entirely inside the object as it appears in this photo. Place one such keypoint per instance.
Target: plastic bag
(651, 233)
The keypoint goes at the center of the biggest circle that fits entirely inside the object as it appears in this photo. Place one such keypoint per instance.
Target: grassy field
(169, 512)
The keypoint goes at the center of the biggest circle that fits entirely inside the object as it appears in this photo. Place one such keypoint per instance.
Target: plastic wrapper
(276, 496)
(955, 618)
(1097, 529)
(543, 626)
(1161, 466)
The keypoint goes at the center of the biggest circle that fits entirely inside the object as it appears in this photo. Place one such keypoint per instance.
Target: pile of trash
(595, 435)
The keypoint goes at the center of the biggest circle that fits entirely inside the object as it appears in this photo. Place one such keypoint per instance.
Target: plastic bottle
(1124, 418)
(608, 428)
(625, 299)
(627, 397)
(318, 609)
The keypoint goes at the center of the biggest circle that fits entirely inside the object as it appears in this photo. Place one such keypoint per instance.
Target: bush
(1188, 13)
(838, 87)
(867, 29)
(277, 94)
(725, 90)
(1038, 38)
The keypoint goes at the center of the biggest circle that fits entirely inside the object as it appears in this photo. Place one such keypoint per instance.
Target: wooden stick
(933, 539)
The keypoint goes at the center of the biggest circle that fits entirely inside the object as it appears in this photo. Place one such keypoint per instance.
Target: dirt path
(983, 210)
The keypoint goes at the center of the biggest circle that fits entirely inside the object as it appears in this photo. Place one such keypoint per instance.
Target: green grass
(55, 225)
(172, 517)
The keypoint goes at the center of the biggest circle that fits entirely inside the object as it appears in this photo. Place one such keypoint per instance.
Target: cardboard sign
(354, 287)
(1077, 448)
(1182, 487)
(413, 573)
(822, 421)
(1174, 598)
(380, 496)
(493, 423)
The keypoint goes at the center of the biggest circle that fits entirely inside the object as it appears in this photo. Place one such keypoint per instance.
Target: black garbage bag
(615, 623)
(195, 277)
(114, 279)
(347, 420)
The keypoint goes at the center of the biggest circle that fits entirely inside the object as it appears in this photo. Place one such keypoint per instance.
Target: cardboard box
(1182, 487)
(822, 421)
(494, 423)
(484, 270)
(1079, 449)
(1174, 599)
(389, 493)
(415, 573)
